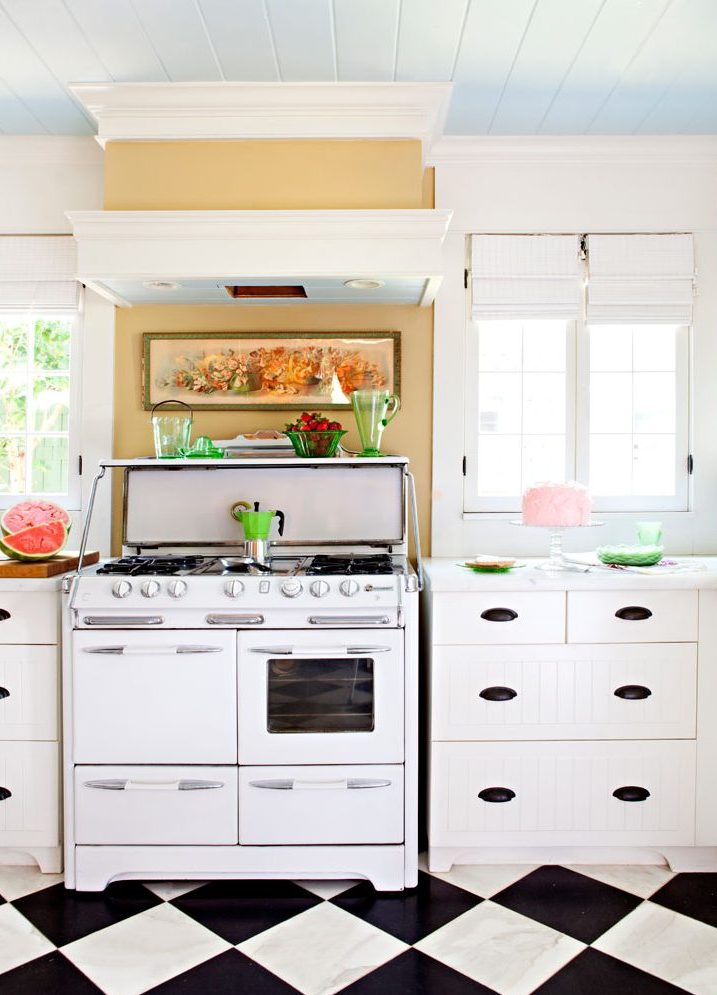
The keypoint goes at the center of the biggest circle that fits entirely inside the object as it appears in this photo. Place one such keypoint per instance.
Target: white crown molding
(227, 245)
(216, 111)
(458, 149)
(49, 150)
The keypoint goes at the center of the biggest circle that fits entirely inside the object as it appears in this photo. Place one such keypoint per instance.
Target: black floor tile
(63, 916)
(595, 973)
(231, 973)
(569, 902)
(693, 895)
(237, 910)
(52, 974)
(412, 914)
(413, 973)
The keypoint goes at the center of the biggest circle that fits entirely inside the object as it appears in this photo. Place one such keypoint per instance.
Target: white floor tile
(638, 879)
(672, 946)
(138, 953)
(24, 879)
(326, 889)
(500, 949)
(322, 950)
(167, 890)
(485, 880)
(19, 940)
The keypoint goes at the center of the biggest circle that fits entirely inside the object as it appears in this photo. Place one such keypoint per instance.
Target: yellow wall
(399, 175)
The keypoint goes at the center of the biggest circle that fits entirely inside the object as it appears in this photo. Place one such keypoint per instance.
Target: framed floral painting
(231, 371)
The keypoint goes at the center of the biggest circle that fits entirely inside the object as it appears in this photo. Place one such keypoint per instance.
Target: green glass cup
(649, 533)
(373, 410)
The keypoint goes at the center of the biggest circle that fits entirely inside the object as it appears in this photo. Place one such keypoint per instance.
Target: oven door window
(320, 695)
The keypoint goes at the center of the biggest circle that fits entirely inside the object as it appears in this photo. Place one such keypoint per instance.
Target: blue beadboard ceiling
(520, 67)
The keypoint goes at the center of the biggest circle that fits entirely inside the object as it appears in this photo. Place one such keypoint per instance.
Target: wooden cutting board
(60, 564)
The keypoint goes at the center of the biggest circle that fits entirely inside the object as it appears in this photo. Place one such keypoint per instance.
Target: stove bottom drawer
(156, 805)
(321, 805)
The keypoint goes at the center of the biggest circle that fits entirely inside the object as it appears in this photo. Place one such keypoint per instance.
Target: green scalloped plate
(630, 556)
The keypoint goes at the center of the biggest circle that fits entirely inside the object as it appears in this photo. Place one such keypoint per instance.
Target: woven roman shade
(38, 271)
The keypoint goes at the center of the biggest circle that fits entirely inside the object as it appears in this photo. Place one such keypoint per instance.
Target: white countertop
(28, 584)
(444, 574)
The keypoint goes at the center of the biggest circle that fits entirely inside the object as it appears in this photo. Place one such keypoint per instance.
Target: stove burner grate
(381, 563)
(136, 566)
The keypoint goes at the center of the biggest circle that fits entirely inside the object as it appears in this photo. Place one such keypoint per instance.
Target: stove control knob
(177, 588)
(319, 589)
(291, 588)
(233, 588)
(348, 588)
(150, 588)
(121, 589)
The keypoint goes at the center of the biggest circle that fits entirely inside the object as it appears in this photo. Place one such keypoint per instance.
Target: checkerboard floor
(510, 930)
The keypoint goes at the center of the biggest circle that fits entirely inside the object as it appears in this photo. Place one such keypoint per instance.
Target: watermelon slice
(38, 542)
(26, 513)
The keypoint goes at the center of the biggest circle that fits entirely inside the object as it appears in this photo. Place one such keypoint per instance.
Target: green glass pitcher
(373, 410)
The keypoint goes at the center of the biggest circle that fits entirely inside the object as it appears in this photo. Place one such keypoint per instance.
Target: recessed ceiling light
(363, 284)
(161, 285)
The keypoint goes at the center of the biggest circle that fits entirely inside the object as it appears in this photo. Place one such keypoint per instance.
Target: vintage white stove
(225, 719)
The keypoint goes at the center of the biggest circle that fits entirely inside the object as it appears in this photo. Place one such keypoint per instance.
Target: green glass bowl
(630, 556)
(319, 445)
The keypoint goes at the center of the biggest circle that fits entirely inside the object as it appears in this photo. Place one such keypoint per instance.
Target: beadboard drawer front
(157, 805)
(632, 616)
(562, 793)
(29, 815)
(321, 805)
(639, 691)
(29, 618)
(28, 692)
(533, 617)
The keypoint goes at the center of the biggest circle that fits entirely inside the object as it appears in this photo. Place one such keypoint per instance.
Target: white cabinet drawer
(28, 692)
(563, 793)
(156, 805)
(532, 617)
(32, 617)
(632, 616)
(29, 814)
(160, 697)
(639, 691)
(321, 805)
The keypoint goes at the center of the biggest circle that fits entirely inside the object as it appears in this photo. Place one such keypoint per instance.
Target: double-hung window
(39, 381)
(577, 368)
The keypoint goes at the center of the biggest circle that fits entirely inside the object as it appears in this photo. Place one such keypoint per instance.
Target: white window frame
(73, 498)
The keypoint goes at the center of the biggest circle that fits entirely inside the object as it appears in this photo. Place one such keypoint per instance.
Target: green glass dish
(630, 556)
(319, 445)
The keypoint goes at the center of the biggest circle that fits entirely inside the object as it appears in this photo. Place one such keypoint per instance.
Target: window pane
(610, 465)
(654, 464)
(543, 459)
(51, 402)
(611, 347)
(52, 344)
(653, 347)
(544, 403)
(499, 465)
(500, 346)
(544, 345)
(654, 402)
(12, 465)
(13, 404)
(13, 345)
(49, 473)
(499, 402)
(611, 402)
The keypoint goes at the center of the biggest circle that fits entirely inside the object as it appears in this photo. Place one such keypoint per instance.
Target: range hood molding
(236, 247)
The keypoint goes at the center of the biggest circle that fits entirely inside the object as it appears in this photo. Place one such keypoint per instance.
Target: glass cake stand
(556, 559)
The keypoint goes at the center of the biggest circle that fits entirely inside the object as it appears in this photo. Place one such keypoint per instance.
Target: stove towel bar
(112, 621)
(339, 784)
(124, 784)
(150, 650)
(319, 651)
(351, 620)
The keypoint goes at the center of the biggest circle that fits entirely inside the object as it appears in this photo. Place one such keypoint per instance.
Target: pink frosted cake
(557, 505)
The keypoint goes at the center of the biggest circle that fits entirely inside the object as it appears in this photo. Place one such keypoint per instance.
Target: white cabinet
(586, 729)
(29, 722)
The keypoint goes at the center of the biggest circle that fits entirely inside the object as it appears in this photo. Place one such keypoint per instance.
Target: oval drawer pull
(496, 795)
(4, 693)
(498, 694)
(499, 615)
(5, 793)
(632, 692)
(633, 613)
(631, 793)
(4, 615)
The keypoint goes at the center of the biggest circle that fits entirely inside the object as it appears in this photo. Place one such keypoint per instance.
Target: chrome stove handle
(115, 620)
(316, 651)
(349, 620)
(339, 784)
(150, 650)
(413, 502)
(221, 619)
(127, 784)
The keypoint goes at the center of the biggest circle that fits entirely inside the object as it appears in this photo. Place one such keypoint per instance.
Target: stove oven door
(321, 697)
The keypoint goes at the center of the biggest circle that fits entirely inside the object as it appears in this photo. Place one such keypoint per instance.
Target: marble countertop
(445, 574)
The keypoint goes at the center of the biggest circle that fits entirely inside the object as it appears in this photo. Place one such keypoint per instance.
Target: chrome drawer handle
(4, 693)
(498, 694)
(4, 615)
(5, 793)
(632, 692)
(150, 650)
(340, 784)
(349, 620)
(113, 620)
(319, 651)
(499, 615)
(127, 784)
(631, 793)
(235, 619)
(633, 613)
(496, 794)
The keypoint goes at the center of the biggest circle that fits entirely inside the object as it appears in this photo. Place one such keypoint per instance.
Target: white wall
(572, 185)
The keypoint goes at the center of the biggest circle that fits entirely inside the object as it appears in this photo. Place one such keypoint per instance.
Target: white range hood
(222, 257)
